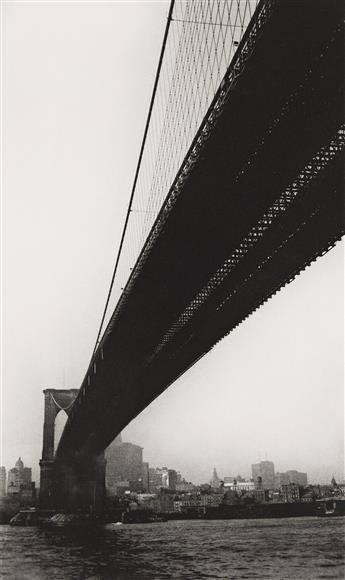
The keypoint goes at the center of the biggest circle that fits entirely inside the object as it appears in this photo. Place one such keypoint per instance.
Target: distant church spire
(215, 481)
(334, 483)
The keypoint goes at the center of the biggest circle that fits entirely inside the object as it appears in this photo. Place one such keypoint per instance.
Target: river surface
(293, 548)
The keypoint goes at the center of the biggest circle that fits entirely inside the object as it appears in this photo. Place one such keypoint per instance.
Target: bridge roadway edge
(118, 388)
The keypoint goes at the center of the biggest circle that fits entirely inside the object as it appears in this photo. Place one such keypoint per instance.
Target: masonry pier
(74, 483)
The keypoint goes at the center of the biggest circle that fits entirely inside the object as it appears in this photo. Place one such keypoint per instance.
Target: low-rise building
(240, 485)
(149, 501)
(211, 500)
(231, 497)
(260, 495)
(307, 497)
(290, 492)
(185, 487)
(197, 501)
(166, 499)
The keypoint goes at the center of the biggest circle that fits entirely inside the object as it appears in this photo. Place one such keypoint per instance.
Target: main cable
(137, 171)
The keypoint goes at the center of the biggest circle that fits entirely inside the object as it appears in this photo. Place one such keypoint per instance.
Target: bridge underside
(258, 199)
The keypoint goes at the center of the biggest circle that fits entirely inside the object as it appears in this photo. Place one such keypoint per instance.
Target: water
(308, 548)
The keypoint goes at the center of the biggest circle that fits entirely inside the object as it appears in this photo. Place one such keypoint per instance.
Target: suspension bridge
(238, 188)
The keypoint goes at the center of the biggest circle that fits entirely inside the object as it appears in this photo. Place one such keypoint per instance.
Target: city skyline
(253, 470)
(274, 386)
(135, 491)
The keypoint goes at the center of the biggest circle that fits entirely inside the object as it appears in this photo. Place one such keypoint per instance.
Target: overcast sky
(77, 80)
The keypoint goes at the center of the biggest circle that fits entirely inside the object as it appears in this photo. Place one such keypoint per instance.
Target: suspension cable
(137, 170)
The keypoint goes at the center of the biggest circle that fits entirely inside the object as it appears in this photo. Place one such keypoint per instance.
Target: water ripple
(286, 549)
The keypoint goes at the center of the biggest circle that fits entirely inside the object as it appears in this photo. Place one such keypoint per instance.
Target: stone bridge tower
(55, 400)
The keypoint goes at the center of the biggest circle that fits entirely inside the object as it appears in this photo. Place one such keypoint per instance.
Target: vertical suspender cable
(137, 169)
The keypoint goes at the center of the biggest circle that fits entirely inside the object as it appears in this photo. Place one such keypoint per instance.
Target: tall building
(265, 470)
(146, 476)
(172, 479)
(291, 476)
(124, 464)
(162, 478)
(297, 477)
(281, 479)
(2, 481)
(19, 481)
(158, 479)
(256, 471)
(155, 479)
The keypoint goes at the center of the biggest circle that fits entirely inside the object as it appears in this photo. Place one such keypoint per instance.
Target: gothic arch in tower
(55, 400)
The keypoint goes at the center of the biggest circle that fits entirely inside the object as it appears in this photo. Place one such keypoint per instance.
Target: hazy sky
(77, 80)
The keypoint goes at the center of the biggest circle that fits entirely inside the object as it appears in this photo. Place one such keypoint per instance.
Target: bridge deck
(258, 198)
